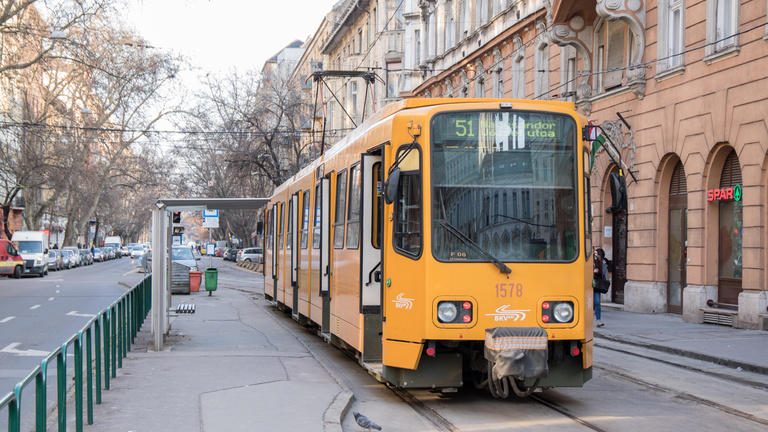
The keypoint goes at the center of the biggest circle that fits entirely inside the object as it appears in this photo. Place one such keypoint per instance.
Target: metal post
(105, 327)
(61, 387)
(97, 348)
(113, 339)
(158, 276)
(79, 382)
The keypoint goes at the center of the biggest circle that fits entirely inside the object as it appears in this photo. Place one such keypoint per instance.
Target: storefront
(678, 239)
(730, 228)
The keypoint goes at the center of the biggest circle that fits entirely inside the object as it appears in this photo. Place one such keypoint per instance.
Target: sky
(219, 36)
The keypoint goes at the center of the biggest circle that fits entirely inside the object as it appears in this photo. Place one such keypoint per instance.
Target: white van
(33, 247)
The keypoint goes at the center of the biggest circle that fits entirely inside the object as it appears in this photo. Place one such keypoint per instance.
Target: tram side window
(316, 223)
(281, 221)
(341, 198)
(305, 220)
(270, 232)
(408, 225)
(353, 222)
(376, 201)
(289, 231)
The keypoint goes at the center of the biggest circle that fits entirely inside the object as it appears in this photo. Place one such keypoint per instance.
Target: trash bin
(211, 279)
(194, 280)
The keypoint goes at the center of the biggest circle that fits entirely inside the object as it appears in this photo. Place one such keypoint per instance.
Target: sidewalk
(228, 367)
(736, 348)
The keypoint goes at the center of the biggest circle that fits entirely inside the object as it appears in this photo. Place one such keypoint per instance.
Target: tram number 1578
(504, 290)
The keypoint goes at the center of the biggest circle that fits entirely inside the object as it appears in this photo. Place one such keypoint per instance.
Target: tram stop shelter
(161, 250)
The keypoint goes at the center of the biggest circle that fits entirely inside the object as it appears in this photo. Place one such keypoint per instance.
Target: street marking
(50, 298)
(11, 349)
(34, 307)
(58, 291)
(76, 314)
(6, 319)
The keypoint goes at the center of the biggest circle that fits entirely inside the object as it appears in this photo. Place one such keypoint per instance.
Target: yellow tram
(446, 242)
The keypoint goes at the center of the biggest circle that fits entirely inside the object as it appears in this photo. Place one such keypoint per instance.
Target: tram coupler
(518, 352)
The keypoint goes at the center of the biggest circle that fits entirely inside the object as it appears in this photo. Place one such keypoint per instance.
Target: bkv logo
(403, 302)
(504, 314)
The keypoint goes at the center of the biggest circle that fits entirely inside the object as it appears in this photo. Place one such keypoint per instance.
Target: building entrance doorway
(678, 240)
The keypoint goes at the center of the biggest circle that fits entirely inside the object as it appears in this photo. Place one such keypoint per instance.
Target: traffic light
(177, 217)
(179, 230)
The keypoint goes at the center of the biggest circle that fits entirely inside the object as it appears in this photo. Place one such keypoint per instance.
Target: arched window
(518, 70)
(479, 80)
(498, 77)
(542, 71)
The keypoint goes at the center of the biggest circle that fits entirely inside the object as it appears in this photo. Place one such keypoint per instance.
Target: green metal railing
(110, 334)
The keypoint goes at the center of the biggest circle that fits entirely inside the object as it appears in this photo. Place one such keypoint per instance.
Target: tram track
(685, 396)
(731, 378)
(433, 417)
(564, 411)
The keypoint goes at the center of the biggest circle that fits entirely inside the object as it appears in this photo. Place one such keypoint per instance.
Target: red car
(11, 262)
(219, 252)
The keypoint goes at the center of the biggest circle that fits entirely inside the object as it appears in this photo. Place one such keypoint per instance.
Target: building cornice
(487, 48)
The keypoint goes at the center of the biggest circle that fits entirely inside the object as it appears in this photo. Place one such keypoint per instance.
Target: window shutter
(731, 175)
(678, 185)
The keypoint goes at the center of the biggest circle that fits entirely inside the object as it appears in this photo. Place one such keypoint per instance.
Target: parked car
(254, 255)
(109, 253)
(218, 252)
(55, 261)
(137, 251)
(11, 262)
(76, 261)
(231, 254)
(86, 257)
(124, 251)
(68, 258)
(98, 254)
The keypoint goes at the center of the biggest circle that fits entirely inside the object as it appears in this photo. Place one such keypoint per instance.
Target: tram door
(275, 248)
(371, 257)
(295, 254)
(325, 252)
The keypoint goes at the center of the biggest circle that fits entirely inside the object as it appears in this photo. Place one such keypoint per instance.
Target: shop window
(353, 222)
(730, 259)
(408, 213)
(341, 200)
(305, 220)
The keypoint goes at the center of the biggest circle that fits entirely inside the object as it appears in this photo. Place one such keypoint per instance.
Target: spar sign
(732, 193)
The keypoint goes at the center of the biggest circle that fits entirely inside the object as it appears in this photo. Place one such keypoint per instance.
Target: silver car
(76, 260)
(55, 261)
(250, 255)
(68, 259)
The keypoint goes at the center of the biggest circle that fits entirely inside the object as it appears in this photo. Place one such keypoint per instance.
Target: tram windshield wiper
(503, 268)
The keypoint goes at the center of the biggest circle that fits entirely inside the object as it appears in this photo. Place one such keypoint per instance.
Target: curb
(334, 415)
(763, 370)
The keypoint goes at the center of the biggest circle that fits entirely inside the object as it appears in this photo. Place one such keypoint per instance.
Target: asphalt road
(38, 314)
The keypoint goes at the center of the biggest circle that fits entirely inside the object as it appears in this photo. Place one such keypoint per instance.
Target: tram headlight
(563, 312)
(447, 312)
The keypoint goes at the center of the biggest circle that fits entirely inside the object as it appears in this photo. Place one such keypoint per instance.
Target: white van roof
(29, 235)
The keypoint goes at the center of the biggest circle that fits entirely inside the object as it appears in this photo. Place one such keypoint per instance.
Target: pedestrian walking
(600, 282)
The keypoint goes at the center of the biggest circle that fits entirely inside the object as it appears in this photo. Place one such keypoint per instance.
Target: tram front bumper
(518, 352)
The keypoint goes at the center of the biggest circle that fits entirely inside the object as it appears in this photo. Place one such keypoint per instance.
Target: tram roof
(402, 105)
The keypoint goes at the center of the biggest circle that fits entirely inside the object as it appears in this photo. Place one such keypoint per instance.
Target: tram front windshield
(506, 181)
